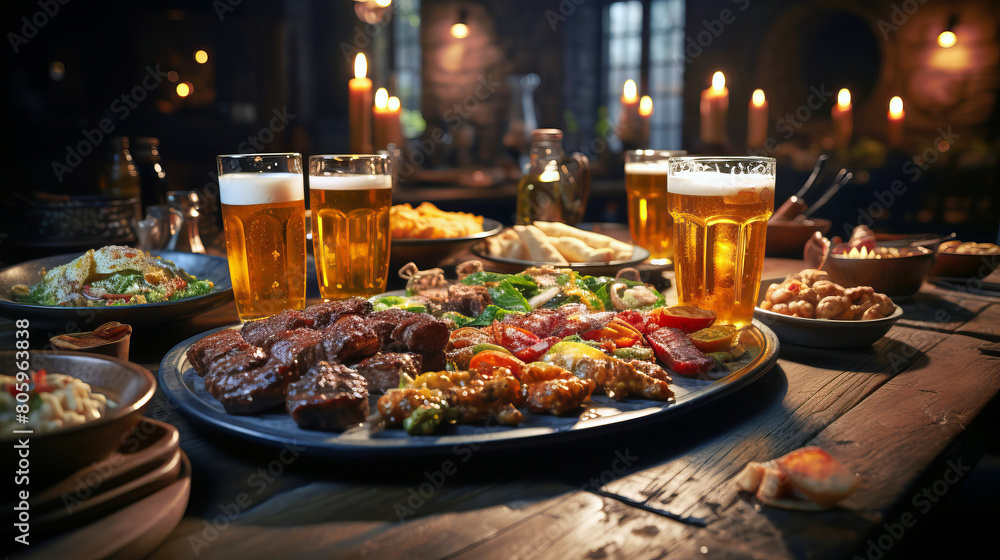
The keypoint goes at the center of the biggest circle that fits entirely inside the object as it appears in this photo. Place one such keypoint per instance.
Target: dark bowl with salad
(139, 288)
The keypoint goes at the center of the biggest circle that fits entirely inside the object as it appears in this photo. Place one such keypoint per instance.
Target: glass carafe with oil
(554, 187)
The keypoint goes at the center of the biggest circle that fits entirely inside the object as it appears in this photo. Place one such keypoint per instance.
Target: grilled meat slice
(460, 298)
(325, 314)
(330, 397)
(348, 339)
(383, 370)
(225, 345)
(263, 332)
(249, 390)
(415, 332)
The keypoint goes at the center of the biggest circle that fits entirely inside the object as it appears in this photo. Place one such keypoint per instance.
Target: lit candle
(359, 103)
(714, 111)
(630, 103)
(843, 119)
(385, 113)
(645, 112)
(896, 116)
(757, 120)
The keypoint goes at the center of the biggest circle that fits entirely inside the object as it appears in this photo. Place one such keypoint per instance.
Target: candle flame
(459, 31)
(844, 99)
(629, 91)
(758, 98)
(360, 66)
(393, 103)
(381, 98)
(947, 39)
(896, 107)
(718, 81)
(645, 106)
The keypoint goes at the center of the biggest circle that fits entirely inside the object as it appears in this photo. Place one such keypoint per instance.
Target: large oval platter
(186, 389)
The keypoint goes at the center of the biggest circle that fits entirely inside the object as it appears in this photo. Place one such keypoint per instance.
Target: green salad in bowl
(112, 276)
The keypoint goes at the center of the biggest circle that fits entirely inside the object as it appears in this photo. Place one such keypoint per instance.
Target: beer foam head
(716, 183)
(241, 189)
(349, 182)
(646, 167)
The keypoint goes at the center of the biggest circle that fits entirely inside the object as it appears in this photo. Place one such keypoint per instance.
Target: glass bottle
(119, 177)
(554, 188)
(152, 177)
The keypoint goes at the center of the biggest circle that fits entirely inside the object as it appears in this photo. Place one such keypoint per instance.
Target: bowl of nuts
(897, 272)
(958, 259)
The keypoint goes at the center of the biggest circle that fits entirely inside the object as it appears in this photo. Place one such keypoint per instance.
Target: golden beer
(351, 235)
(720, 225)
(648, 220)
(263, 218)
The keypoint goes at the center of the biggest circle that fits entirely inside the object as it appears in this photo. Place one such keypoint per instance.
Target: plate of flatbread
(559, 245)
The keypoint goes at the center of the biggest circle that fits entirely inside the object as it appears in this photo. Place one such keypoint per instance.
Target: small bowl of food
(809, 309)
(958, 259)
(897, 272)
(785, 238)
(76, 408)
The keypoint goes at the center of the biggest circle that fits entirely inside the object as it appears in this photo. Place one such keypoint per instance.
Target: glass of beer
(263, 215)
(720, 207)
(650, 224)
(350, 197)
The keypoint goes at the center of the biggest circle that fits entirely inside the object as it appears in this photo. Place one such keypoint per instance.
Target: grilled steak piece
(248, 390)
(414, 332)
(329, 397)
(383, 370)
(223, 345)
(350, 338)
(325, 314)
(263, 332)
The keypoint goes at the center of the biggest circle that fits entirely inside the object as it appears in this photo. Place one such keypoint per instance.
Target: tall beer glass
(646, 188)
(350, 197)
(720, 207)
(263, 214)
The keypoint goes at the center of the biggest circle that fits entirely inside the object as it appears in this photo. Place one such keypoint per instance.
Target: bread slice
(116, 258)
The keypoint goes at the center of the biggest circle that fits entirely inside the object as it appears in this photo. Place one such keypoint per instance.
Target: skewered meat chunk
(383, 370)
(418, 410)
(473, 397)
(262, 332)
(328, 397)
(325, 314)
(224, 345)
(550, 389)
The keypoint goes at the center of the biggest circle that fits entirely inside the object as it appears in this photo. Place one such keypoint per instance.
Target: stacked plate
(125, 504)
(114, 486)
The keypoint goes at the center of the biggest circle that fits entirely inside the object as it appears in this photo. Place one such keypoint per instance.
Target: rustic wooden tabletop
(910, 415)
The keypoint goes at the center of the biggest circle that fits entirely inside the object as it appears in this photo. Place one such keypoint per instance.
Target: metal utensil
(843, 178)
(795, 206)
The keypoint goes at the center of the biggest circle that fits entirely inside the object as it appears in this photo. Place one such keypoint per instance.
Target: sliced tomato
(717, 338)
(683, 317)
(42, 383)
(487, 361)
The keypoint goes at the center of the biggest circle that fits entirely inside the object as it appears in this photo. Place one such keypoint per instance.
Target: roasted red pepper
(674, 348)
(619, 332)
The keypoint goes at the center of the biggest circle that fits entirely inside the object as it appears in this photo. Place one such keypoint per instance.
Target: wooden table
(911, 415)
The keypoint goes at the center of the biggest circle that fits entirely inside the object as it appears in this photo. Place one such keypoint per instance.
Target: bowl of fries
(428, 236)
